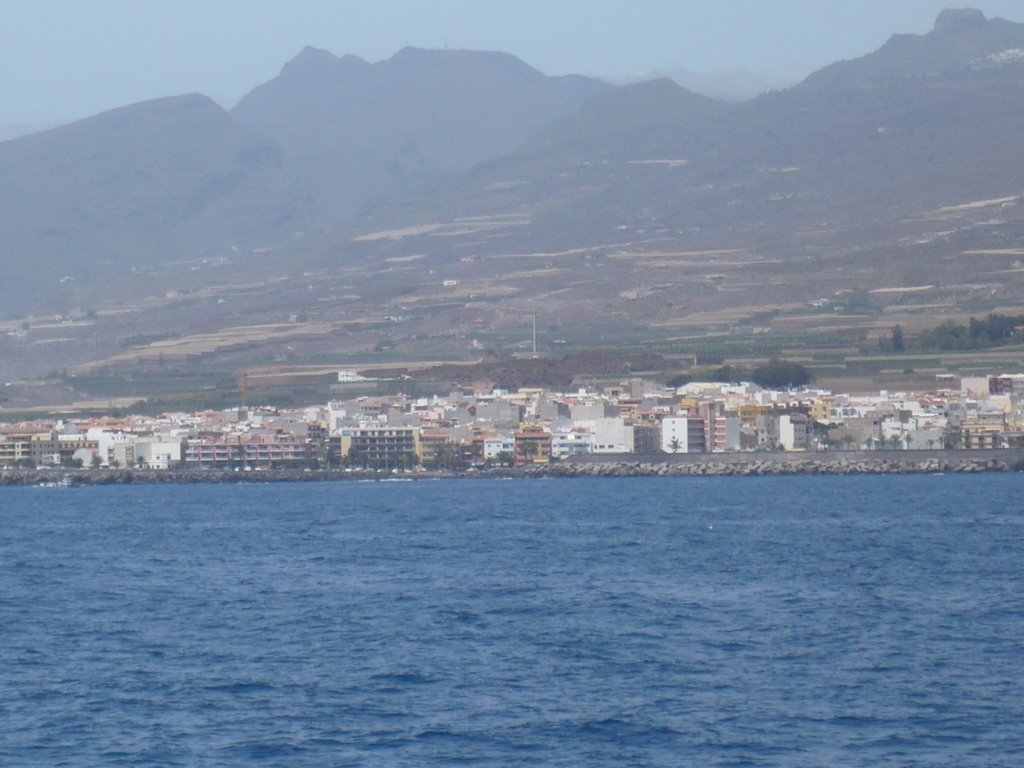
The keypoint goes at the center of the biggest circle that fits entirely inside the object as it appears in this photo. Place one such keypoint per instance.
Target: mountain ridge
(180, 177)
(958, 37)
(339, 192)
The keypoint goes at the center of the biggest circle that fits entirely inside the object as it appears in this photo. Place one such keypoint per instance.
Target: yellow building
(27, 446)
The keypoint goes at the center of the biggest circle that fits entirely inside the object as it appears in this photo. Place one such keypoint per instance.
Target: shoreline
(612, 465)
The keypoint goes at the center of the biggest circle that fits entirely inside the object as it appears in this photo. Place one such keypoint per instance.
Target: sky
(62, 60)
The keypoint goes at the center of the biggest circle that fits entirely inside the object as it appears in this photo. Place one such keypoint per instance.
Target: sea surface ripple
(801, 621)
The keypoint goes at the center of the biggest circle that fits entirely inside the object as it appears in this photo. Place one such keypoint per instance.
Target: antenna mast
(534, 333)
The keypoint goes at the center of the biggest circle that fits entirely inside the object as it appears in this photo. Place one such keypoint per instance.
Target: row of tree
(992, 331)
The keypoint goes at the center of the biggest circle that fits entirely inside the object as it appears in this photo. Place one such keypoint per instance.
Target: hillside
(923, 122)
(960, 38)
(168, 179)
(181, 180)
(352, 131)
(882, 190)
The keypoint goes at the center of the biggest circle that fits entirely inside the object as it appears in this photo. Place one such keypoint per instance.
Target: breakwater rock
(759, 465)
(71, 477)
(620, 465)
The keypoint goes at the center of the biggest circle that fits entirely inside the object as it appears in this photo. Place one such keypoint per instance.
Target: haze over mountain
(180, 178)
(861, 144)
(725, 85)
(960, 37)
(16, 130)
(352, 131)
(161, 179)
(440, 188)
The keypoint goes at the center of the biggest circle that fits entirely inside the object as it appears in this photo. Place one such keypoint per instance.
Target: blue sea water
(714, 622)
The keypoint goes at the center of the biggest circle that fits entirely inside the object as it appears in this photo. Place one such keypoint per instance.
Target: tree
(505, 459)
(781, 374)
(898, 343)
(823, 432)
(729, 374)
(529, 449)
(675, 445)
(356, 458)
(447, 457)
(679, 380)
(977, 334)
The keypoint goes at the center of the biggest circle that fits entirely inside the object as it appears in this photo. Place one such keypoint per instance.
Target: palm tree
(529, 449)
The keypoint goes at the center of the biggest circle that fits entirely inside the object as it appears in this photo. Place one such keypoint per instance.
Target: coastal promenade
(606, 465)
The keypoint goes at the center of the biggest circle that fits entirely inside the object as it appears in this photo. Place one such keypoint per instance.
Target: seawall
(761, 464)
(609, 465)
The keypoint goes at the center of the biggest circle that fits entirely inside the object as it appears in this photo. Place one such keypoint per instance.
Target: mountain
(638, 107)
(171, 178)
(731, 86)
(428, 203)
(16, 130)
(180, 179)
(352, 131)
(654, 210)
(921, 122)
(959, 38)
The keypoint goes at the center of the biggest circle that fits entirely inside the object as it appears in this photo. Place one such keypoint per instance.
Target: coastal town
(528, 427)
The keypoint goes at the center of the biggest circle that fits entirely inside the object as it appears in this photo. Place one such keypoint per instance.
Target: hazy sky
(65, 59)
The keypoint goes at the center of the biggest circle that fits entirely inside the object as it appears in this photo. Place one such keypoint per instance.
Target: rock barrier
(698, 465)
(775, 467)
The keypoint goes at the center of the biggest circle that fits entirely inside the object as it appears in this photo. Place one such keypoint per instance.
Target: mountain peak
(410, 58)
(316, 62)
(311, 57)
(960, 37)
(958, 19)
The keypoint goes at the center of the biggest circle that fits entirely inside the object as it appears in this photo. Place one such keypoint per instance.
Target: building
(385, 447)
(983, 432)
(159, 453)
(247, 450)
(495, 447)
(532, 444)
(26, 447)
(726, 434)
(612, 435)
(646, 438)
(793, 429)
(682, 434)
(572, 442)
(1006, 384)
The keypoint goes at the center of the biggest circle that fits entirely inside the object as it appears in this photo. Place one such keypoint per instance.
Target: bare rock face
(958, 19)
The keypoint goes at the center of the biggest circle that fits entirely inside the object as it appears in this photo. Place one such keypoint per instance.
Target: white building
(611, 435)
(679, 433)
(107, 440)
(574, 442)
(159, 452)
(793, 431)
(493, 446)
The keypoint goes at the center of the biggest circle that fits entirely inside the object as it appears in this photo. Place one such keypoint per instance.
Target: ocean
(800, 621)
